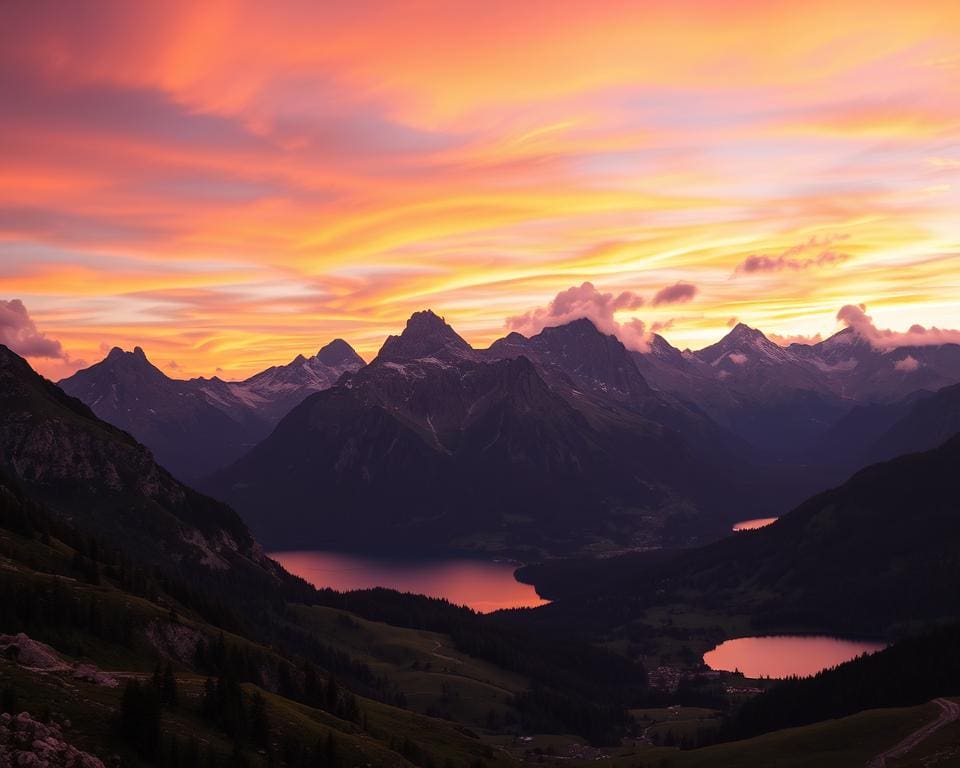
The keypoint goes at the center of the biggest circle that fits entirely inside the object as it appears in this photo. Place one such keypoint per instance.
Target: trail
(949, 712)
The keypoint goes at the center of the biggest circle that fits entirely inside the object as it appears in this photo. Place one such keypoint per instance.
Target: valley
(673, 587)
(565, 384)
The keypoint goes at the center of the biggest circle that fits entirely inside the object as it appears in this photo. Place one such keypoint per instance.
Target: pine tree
(168, 690)
(259, 723)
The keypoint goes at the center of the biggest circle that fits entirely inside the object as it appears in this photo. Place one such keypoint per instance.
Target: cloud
(586, 301)
(738, 358)
(855, 316)
(793, 259)
(675, 294)
(732, 322)
(785, 340)
(19, 332)
(908, 365)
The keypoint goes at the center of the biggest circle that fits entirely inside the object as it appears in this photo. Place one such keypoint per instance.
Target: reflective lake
(752, 525)
(482, 585)
(780, 656)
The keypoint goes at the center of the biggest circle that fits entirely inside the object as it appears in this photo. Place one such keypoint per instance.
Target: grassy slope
(91, 708)
(432, 674)
(843, 743)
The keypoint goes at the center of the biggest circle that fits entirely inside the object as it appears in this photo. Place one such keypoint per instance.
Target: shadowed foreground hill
(108, 485)
(879, 552)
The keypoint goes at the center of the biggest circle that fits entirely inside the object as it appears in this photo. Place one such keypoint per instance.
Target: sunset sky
(229, 184)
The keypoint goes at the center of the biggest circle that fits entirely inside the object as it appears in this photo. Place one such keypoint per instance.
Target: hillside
(889, 535)
(929, 422)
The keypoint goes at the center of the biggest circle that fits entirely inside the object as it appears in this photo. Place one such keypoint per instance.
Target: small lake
(752, 525)
(780, 656)
(482, 585)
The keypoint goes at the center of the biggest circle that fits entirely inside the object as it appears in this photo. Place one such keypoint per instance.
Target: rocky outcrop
(28, 743)
(39, 657)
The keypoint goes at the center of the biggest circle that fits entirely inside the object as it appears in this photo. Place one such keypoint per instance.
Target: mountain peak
(338, 352)
(427, 321)
(137, 358)
(582, 324)
(582, 332)
(743, 332)
(426, 335)
(661, 347)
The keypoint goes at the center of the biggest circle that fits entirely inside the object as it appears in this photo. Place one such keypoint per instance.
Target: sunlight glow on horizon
(229, 184)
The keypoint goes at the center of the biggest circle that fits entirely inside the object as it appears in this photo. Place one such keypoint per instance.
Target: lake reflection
(481, 585)
(752, 525)
(781, 656)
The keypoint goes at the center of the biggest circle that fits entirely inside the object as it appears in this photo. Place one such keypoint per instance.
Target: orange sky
(231, 183)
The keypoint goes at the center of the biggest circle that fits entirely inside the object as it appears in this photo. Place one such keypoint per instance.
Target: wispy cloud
(207, 180)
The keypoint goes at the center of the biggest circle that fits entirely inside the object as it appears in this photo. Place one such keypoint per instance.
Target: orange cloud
(230, 183)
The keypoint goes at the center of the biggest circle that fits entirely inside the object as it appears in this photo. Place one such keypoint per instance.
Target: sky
(228, 184)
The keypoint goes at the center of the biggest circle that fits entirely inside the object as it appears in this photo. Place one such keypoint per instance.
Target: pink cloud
(793, 259)
(856, 317)
(19, 332)
(586, 301)
(675, 294)
(908, 365)
(785, 340)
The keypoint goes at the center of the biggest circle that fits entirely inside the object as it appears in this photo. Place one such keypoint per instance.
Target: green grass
(432, 674)
(941, 750)
(844, 743)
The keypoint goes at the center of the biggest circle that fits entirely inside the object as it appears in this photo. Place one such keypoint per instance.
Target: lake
(752, 525)
(482, 585)
(779, 656)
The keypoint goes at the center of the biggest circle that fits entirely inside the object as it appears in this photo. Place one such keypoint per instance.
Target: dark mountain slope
(100, 477)
(928, 423)
(871, 556)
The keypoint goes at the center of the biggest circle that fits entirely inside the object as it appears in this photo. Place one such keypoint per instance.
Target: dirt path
(949, 712)
(439, 646)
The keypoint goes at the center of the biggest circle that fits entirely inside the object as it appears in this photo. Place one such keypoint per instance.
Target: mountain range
(784, 400)
(199, 425)
(110, 559)
(436, 443)
(561, 441)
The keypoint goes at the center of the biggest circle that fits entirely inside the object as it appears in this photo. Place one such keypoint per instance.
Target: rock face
(38, 657)
(107, 483)
(32, 654)
(435, 444)
(28, 743)
(196, 426)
